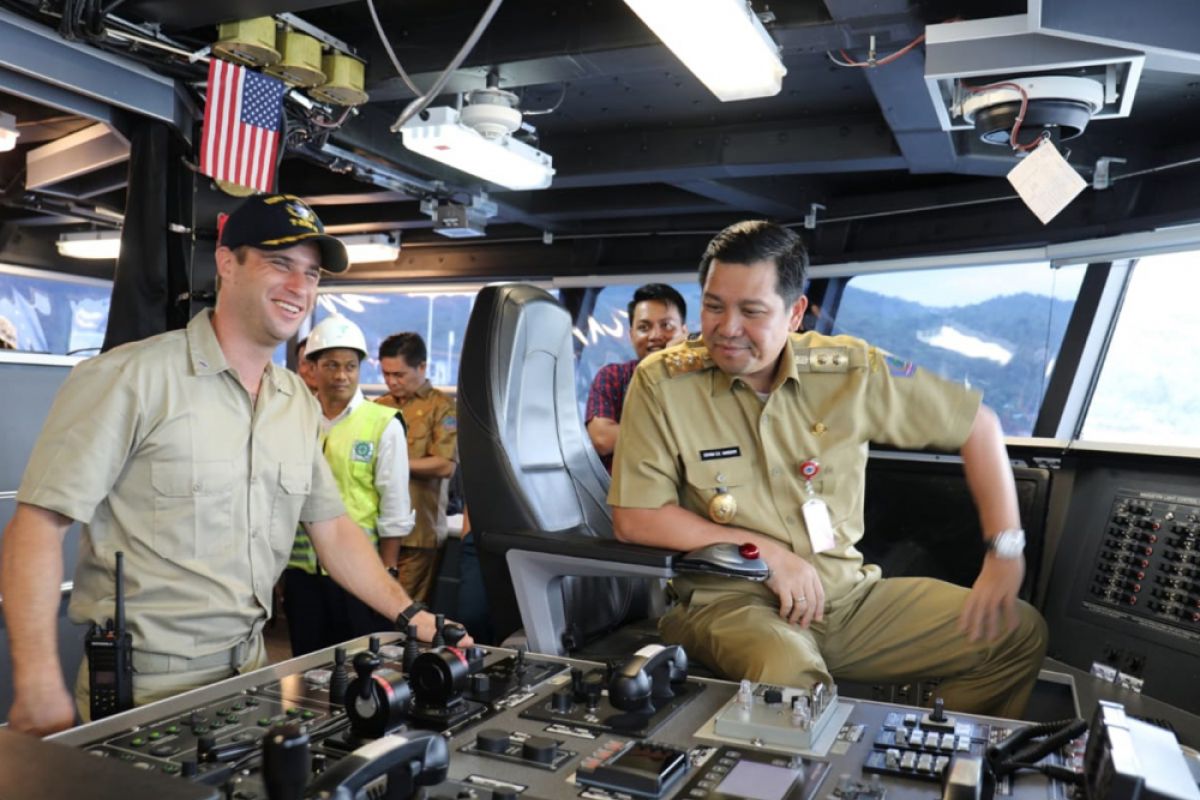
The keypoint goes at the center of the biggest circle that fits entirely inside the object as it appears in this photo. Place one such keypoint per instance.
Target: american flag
(241, 126)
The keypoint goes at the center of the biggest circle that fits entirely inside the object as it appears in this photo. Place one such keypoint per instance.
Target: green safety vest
(351, 447)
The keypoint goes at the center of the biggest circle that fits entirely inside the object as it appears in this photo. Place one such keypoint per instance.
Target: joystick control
(411, 650)
(647, 677)
(339, 680)
(439, 637)
(453, 633)
(378, 699)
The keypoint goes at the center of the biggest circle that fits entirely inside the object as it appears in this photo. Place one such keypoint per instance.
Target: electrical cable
(391, 53)
(871, 61)
(1149, 170)
(335, 124)
(418, 105)
(561, 96)
(1016, 128)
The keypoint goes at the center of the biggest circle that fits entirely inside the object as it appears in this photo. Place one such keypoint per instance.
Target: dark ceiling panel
(176, 16)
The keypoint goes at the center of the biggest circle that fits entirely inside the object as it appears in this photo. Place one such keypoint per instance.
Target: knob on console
(286, 765)
(481, 684)
(539, 749)
(562, 702)
(492, 740)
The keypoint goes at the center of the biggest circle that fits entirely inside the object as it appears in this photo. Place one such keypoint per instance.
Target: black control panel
(1123, 601)
(1149, 560)
(492, 724)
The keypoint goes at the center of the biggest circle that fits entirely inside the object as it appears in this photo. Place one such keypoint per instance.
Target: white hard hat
(335, 331)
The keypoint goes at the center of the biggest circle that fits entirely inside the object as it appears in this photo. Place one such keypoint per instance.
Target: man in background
(657, 320)
(304, 367)
(365, 447)
(432, 454)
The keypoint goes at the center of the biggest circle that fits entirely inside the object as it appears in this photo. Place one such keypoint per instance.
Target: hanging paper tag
(820, 528)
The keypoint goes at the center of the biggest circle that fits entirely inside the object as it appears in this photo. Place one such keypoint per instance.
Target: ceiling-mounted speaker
(301, 62)
(250, 42)
(344, 81)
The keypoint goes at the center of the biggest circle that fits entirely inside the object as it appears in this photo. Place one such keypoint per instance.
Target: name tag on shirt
(820, 527)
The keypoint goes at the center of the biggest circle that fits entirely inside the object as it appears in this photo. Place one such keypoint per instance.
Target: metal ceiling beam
(194, 15)
(742, 151)
(903, 98)
(66, 100)
(737, 198)
(39, 53)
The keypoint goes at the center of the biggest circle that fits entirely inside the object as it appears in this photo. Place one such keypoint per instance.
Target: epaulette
(829, 359)
(687, 359)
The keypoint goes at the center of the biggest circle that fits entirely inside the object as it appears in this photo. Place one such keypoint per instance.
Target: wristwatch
(1008, 544)
(405, 617)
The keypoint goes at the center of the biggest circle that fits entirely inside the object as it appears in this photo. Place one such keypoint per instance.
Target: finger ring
(801, 599)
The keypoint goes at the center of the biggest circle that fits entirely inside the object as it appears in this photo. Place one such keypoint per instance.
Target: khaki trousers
(157, 676)
(418, 570)
(896, 630)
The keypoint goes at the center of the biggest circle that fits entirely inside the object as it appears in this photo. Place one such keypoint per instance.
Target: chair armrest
(565, 543)
(538, 561)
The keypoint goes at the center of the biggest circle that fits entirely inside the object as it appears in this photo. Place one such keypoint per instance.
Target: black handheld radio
(110, 658)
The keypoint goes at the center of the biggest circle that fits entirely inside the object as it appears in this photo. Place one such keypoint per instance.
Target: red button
(748, 550)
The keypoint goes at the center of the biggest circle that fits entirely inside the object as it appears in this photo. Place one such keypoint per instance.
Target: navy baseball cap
(279, 221)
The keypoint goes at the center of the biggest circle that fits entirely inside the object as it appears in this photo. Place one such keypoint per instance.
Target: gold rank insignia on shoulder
(683, 360)
(825, 359)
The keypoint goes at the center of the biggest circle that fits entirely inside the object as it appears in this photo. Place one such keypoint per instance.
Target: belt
(234, 657)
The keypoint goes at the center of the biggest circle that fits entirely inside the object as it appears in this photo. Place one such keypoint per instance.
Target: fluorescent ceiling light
(437, 133)
(722, 42)
(92, 244)
(371, 248)
(8, 132)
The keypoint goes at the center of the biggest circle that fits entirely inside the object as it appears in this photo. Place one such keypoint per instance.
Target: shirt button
(195, 487)
(776, 471)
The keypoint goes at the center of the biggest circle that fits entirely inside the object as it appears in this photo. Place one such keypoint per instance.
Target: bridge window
(1149, 386)
(439, 315)
(995, 328)
(55, 313)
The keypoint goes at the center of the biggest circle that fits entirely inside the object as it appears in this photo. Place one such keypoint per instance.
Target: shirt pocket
(295, 483)
(705, 478)
(193, 507)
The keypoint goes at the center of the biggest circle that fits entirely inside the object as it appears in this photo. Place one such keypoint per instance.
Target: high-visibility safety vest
(351, 448)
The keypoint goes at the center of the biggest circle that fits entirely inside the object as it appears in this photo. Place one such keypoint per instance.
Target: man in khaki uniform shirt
(195, 456)
(432, 454)
(718, 438)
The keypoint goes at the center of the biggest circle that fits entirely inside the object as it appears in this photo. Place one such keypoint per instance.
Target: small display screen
(647, 760)
(755, 781)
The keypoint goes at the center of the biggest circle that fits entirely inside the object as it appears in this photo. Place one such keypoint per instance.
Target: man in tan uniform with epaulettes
(756, 434)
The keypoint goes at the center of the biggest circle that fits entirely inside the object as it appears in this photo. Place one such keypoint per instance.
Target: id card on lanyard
(816, 513)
